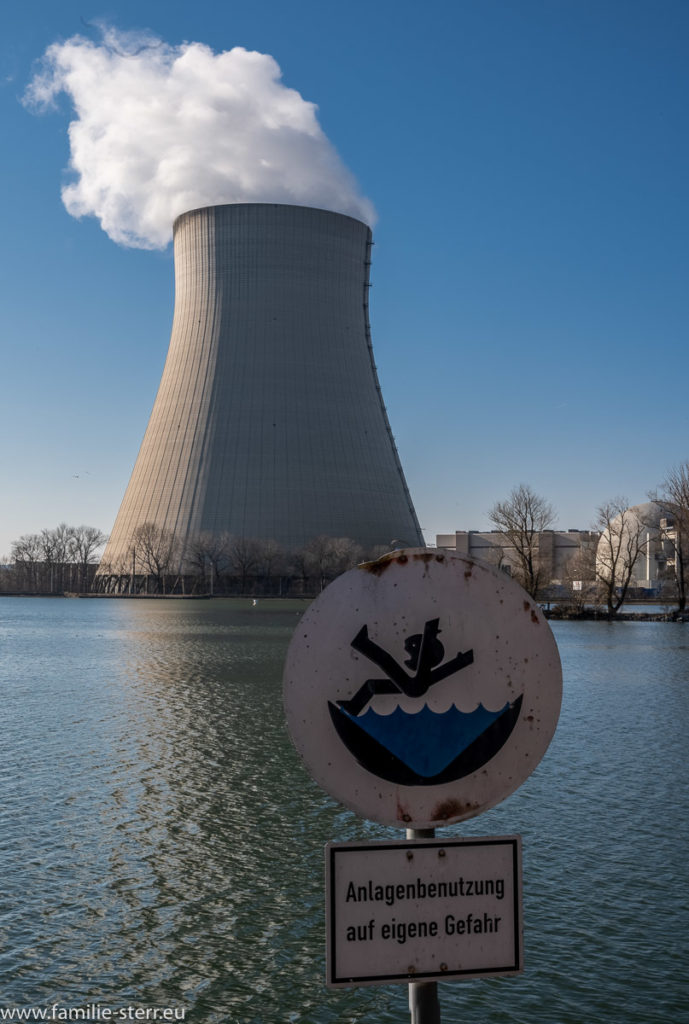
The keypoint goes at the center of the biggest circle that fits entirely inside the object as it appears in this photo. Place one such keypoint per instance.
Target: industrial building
(269, 420)
(556, 548)
(644, 536)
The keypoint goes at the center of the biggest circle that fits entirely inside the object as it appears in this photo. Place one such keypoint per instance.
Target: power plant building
(269, 421)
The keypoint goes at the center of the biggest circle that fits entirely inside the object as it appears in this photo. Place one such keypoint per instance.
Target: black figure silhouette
(425, 653)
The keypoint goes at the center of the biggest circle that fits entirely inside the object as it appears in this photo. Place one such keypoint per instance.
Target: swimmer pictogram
(421, 747)
(425, 654)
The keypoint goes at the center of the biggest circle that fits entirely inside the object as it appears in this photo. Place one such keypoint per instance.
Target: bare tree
(579, 578)
(323, 558)
(672, 497)
(27, 555)
(520, 519)
(623, 541)
(326, 557)
(347, 554)
(300, 564)
(55, 551)
(271, 557)
(272, 563)
(244, 554)
(84, 542)
(118, 576)
(154, 551)
(209, 555)
(316, 557)
(320, 555)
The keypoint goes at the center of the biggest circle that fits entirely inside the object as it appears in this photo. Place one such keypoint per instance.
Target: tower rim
(272, 206)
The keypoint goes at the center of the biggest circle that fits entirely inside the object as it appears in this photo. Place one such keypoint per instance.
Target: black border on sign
(332, 849)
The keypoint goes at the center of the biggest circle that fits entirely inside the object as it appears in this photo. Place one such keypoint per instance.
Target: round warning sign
(422, 688)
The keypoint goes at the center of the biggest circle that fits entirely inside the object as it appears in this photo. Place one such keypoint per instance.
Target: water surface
(161, 844)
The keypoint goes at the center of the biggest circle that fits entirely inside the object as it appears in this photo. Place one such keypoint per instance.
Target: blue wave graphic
(427, 741)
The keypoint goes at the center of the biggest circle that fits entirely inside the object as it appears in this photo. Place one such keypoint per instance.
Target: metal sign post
(424, 1005)
(420, 690)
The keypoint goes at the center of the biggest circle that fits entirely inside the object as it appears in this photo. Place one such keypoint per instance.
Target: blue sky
(528, 162)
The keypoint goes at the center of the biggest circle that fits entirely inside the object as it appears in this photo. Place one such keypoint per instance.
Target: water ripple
(161, 844)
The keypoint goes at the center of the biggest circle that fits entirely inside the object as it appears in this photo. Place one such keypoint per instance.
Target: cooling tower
(269, 420)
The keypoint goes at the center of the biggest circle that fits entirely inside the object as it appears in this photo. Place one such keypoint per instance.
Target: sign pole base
(423, 995)
(423, 1002)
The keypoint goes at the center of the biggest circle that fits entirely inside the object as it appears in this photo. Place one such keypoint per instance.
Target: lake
(161, 844)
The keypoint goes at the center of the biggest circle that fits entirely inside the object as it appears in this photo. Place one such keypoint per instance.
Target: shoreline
(603, 616)
(166, 597)
(557, 615)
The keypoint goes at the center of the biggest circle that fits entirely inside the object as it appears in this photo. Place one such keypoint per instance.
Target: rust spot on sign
(378, 567)
(451, 809)
(528, 608)
(402, 814)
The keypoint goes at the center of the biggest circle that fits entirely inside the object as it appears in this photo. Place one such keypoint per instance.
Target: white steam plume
(163, 129)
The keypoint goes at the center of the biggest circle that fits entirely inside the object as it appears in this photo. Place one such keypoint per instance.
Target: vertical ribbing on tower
(269, 420)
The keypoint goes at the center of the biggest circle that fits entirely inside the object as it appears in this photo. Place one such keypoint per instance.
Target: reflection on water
(161, 844)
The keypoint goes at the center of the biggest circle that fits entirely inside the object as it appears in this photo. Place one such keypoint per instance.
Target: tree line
(54, 561)
(65, 559)
(224, 563)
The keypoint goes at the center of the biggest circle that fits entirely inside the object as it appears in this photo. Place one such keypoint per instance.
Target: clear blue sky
(528, 160)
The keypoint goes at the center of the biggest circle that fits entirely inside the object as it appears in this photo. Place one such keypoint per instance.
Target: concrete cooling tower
(269, 421)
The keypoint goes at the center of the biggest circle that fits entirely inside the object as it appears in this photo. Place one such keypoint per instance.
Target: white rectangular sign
(421, 910)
